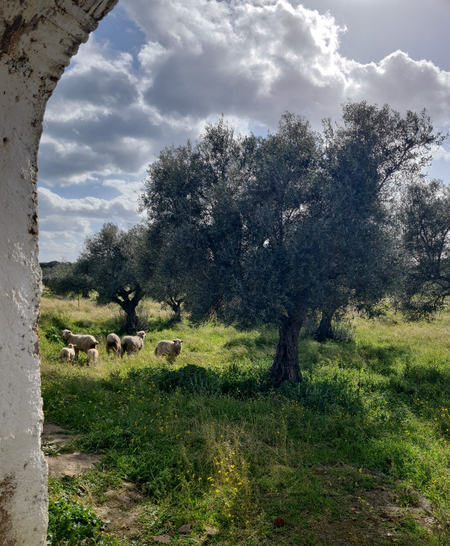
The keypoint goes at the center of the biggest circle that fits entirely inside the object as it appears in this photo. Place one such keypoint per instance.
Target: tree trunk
(175, 305)
(285, 365)
(325, 331)
(132, 320)
(129, 305)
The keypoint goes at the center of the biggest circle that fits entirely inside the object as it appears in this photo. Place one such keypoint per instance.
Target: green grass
(208, 442)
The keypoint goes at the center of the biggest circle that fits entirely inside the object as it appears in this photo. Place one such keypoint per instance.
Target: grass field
(356, 454)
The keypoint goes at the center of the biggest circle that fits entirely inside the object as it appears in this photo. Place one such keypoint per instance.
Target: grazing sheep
(91, 357)
(113, 343)
(68, 353)
(169, 348)
(133, 344)
(81, 342)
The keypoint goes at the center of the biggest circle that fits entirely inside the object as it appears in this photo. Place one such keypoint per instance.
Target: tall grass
(211, 443)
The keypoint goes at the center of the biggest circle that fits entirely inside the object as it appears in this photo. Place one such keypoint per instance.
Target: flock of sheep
(129, 344)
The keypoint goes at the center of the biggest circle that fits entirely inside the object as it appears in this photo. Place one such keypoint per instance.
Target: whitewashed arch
(37, 40)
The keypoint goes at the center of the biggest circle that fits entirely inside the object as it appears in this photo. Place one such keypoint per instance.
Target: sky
(155, 72)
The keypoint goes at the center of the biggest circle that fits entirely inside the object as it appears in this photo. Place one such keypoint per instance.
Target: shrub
(70, 523)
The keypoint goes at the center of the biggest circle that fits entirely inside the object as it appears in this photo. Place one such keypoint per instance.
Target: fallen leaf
(185, 529)
(279, 522)
(211, 531)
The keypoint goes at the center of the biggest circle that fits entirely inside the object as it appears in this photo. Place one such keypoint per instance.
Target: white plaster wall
(37, 40)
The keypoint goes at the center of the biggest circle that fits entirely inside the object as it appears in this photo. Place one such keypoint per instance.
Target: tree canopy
(425, 221)
(111, 260)
(265, 229)
(109, 265)
(62, 279)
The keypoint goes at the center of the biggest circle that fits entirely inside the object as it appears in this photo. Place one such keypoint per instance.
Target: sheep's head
(66, 333)
(141, 334)
(177, 342)
(70, 346)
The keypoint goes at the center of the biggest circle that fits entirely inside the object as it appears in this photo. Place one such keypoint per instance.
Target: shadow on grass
(425, 389)
(166, 428)
(159, 324)
(265, 338)
(382, 360)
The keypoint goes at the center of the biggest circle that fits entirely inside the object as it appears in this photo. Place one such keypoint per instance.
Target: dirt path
(54, 439)
(120, 511)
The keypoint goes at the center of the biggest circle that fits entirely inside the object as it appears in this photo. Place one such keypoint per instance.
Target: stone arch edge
(37, 40)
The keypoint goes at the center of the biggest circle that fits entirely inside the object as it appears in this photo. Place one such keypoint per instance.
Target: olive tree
(425, 220)
(64, 280)
(368, 158)
(270, 228)
(109, 264)
(162, 268)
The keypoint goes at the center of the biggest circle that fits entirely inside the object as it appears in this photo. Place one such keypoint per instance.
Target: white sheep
(80, 342)
(68, 353)
(169, 348)
(91, 357)
(113, 343)
(133, 344)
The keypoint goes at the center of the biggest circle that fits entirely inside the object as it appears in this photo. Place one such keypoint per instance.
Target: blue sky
(156, 71)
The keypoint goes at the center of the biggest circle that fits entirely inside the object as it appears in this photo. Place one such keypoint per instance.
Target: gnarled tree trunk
(129, 305)
(132, 320)
(325, 330)
(175, 305)
(285, 366)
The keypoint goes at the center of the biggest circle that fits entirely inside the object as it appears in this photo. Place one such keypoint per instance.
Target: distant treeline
(49, 265)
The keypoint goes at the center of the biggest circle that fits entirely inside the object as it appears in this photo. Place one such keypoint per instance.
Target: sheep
(91, 357)
(169, 348)
(68, 353)
(133, 344)
(81, 342)
(113, 343)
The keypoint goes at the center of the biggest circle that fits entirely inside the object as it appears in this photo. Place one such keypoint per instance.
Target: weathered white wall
(37, 40)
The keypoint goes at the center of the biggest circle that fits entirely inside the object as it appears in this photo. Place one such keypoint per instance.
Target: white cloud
(113, 112)
(120, 208)
(404, 84)
(65, 223)
(259, 59)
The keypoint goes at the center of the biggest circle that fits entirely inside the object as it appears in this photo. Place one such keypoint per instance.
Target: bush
(247, 381)
(70, 523)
